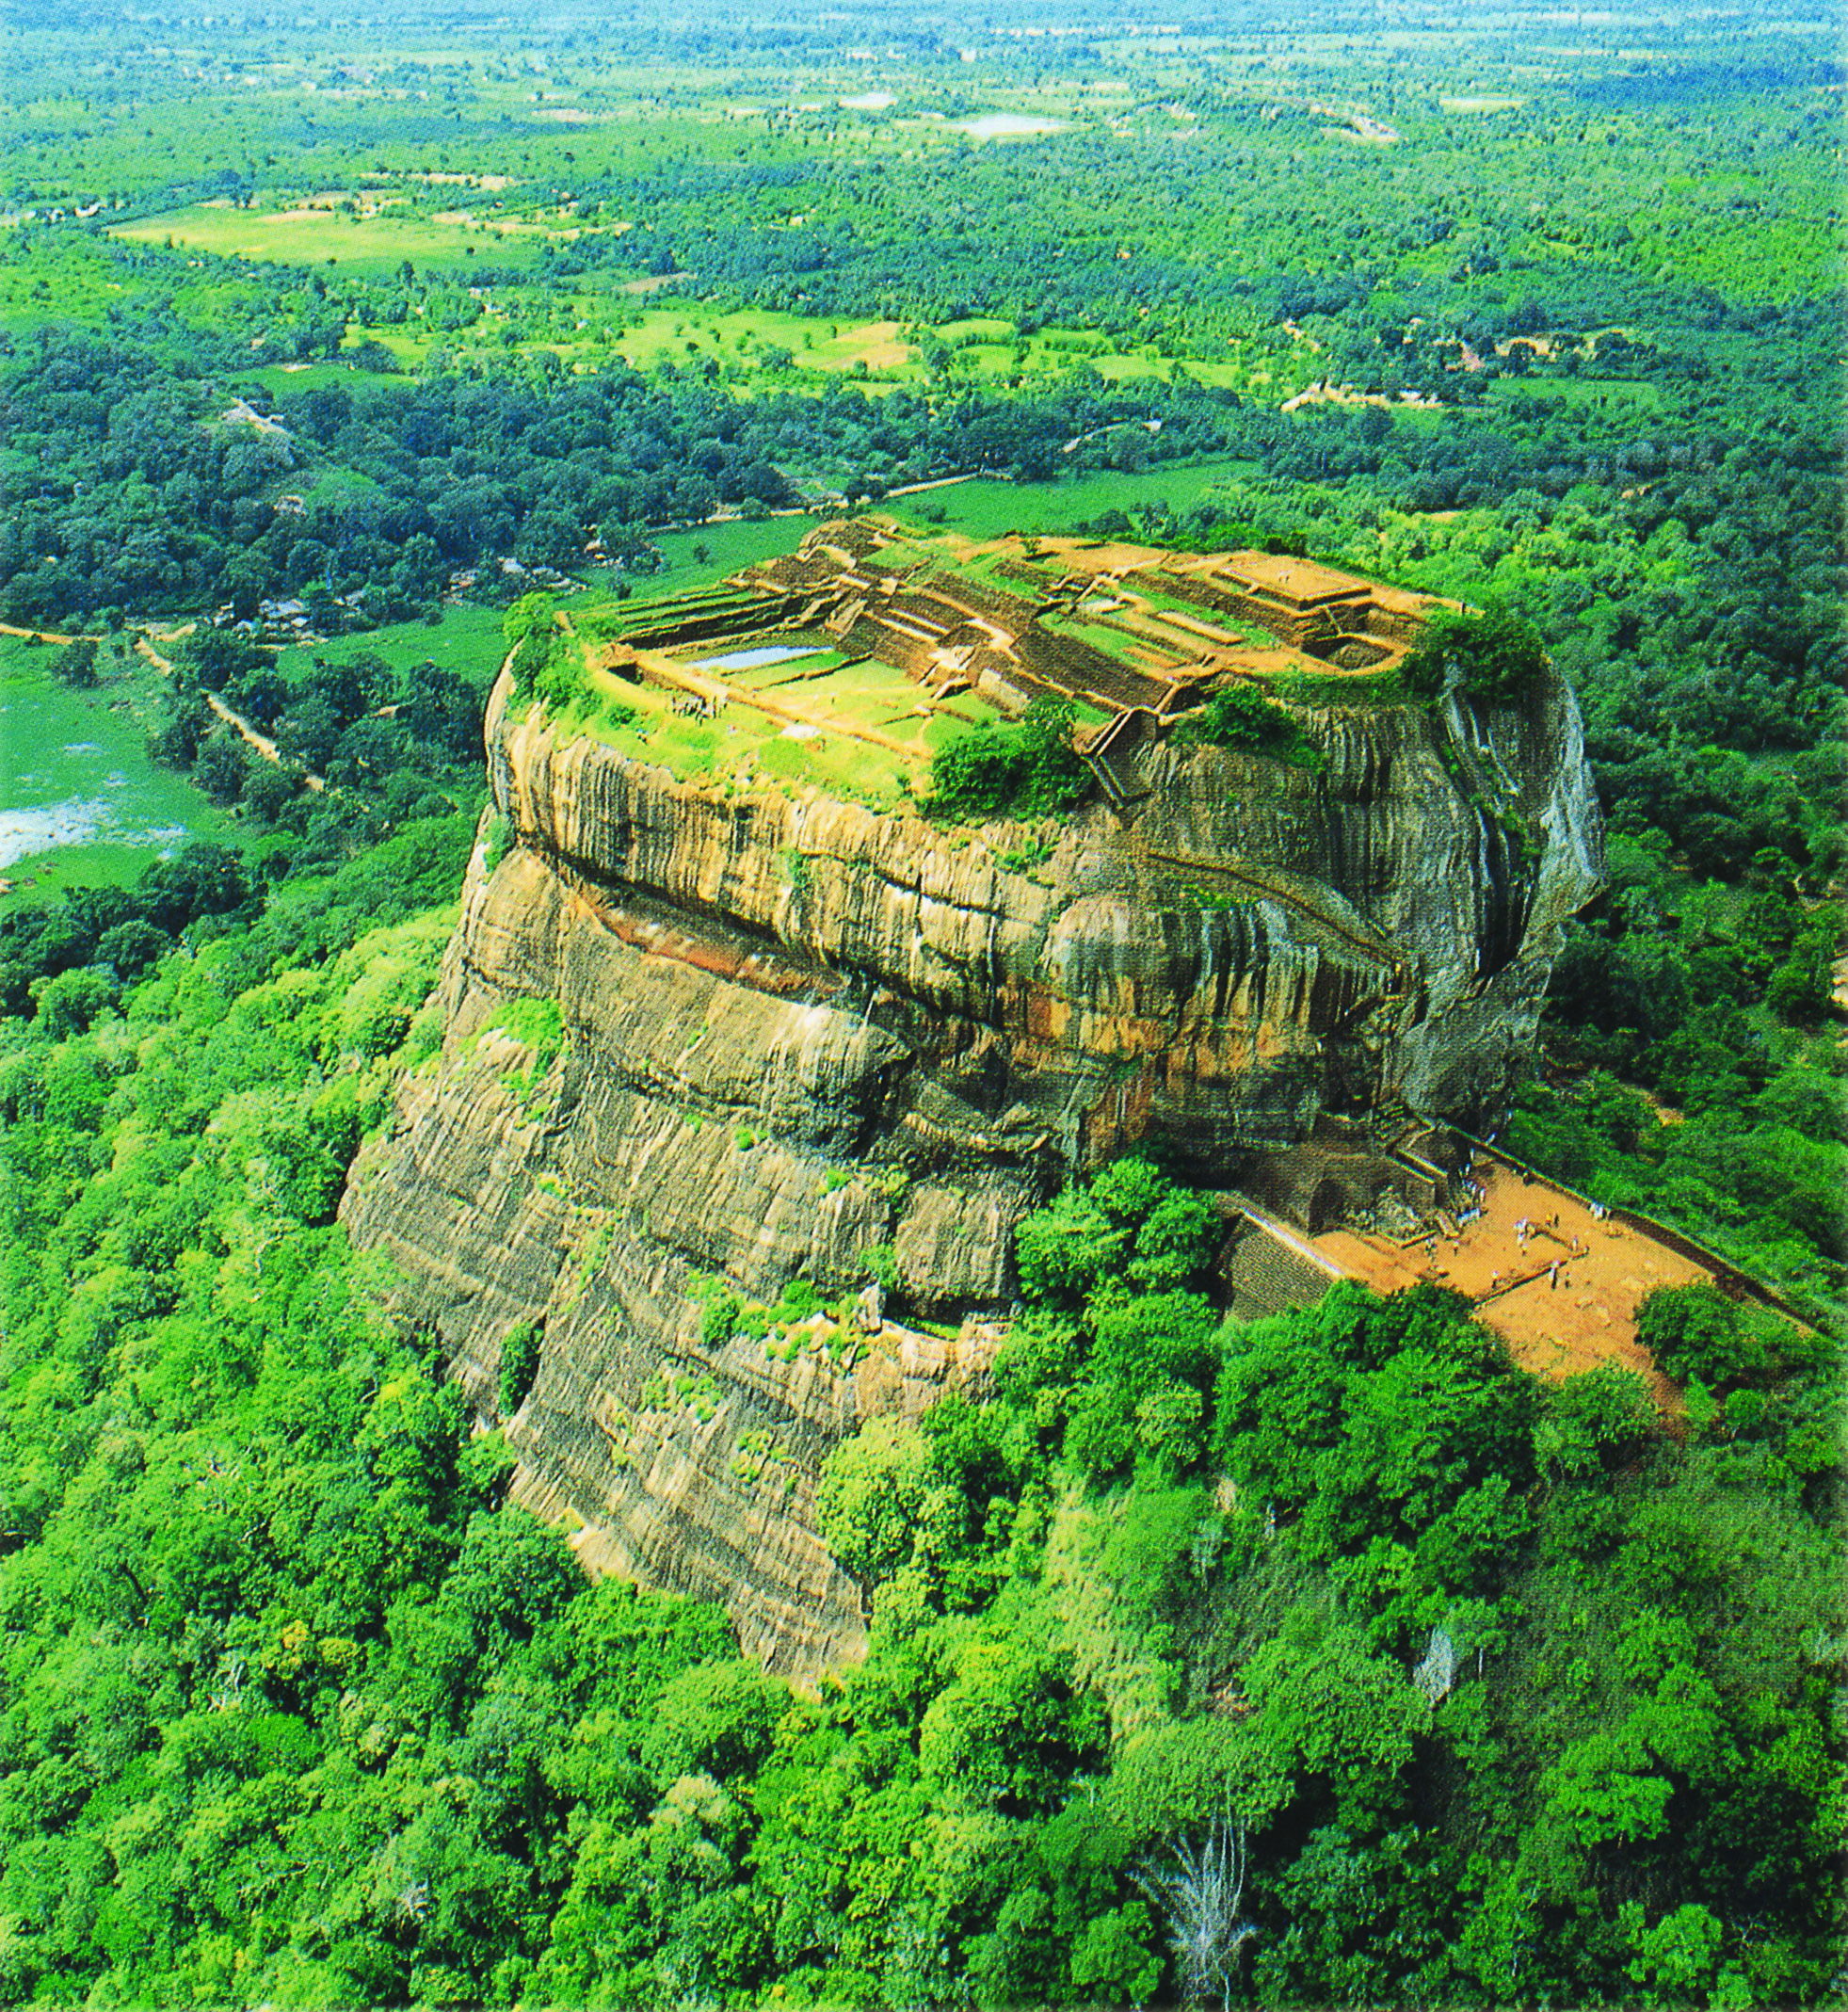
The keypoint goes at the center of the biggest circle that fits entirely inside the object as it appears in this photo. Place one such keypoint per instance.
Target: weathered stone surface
(765, 1071)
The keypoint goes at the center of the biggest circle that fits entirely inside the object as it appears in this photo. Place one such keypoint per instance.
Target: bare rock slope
(790, 1029)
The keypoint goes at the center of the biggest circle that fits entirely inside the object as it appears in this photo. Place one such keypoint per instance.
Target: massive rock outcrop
(790, 1029)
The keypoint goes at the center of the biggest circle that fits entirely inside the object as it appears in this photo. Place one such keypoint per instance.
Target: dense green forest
(1326, 1660)
(1497, 1690)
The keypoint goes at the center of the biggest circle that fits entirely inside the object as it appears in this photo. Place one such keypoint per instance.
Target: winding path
(145, 650)
(261, 743)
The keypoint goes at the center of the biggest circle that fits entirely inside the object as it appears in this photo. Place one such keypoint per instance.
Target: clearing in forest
(370, 246)
(1563, 1294)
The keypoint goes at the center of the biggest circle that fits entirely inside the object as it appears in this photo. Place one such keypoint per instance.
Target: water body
(79, 821)
(1007, 125)
(750, 659)
(80, 800)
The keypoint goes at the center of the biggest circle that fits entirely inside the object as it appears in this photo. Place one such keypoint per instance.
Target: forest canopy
(1405, 1677)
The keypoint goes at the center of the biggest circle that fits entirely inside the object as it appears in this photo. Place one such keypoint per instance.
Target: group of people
(1525, 1229)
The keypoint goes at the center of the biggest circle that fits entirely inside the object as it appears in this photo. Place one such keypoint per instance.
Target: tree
(1678, 1957)
(1802, 990)
(1181, 1776)
(75, 665)
(1497, 656)
(216, 657)
(222, 766)
(201, 879)
(872, 1495)
(130, 946)
(1176, 1243)
(1007, 1731)
(269, 791)
(1027, 770)
(1694, 1331)
(1153, 1365)
(70, 1002)
(1066, 1248)
(718, 1720)
(1333, 1708)
(520, 1363)
(1239, 716)
(310, 731)
(1200, 1895)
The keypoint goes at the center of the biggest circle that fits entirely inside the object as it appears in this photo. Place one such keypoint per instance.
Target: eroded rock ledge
(791, 1029)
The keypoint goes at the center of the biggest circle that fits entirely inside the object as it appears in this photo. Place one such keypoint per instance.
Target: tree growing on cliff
(1239, 716)
(519, 1365)
(548, 666)
(531, 612)
(1496, 656)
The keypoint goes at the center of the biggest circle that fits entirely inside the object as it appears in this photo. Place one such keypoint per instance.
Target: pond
(749, 659)
(81, 802)
(1007, 125)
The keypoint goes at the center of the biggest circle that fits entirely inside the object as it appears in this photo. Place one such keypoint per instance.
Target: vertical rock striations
(790, 1029)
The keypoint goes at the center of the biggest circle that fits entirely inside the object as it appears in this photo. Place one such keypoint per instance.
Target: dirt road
(235, 721)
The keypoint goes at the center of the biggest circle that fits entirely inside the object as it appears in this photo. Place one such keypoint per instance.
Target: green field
(1623, 395)
(81, 803)
(368, 247)
(292, 380)
(727, 546)
(985, 508)
(467, 641)
(684, 332)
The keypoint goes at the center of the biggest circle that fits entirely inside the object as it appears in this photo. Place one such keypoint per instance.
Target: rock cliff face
(791, 1029)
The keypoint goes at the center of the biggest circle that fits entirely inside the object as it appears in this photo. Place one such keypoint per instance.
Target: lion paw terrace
(1393, 1204)
(1132, 635)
